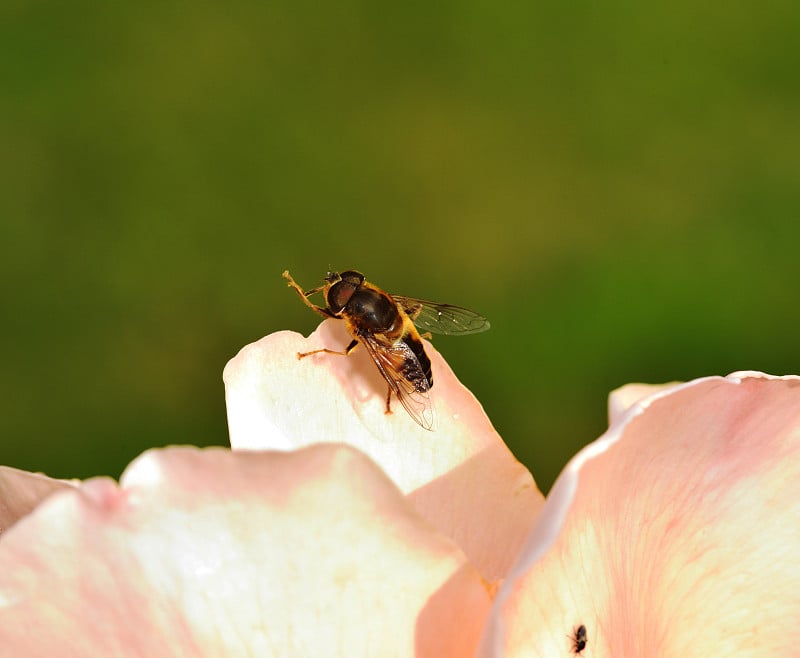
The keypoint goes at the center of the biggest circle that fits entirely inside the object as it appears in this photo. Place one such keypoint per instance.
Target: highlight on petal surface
(461, 477)
(676, 533)
(21, 492)
(210, 553)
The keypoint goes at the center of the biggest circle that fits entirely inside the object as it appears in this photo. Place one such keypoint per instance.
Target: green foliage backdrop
(615, 185)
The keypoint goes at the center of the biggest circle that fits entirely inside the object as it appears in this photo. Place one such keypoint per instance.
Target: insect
(386, 325)
(579, 639)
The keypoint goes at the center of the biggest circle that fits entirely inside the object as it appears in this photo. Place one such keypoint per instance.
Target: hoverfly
(579, 639)
(385, 325)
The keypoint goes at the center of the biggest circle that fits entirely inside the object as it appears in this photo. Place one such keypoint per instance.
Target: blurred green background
(616, 186)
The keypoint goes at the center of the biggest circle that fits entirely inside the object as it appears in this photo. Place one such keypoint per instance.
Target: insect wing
(404, 374)
(442, 318)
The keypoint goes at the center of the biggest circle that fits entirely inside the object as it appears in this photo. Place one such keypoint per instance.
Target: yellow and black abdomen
(414, 342)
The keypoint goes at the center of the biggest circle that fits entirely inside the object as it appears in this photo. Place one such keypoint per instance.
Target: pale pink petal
(461, 477)
(626, 396)
(677, 533)
(213, 553)
(21, 492)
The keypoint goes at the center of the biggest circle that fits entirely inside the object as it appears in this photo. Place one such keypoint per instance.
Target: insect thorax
(374, 312)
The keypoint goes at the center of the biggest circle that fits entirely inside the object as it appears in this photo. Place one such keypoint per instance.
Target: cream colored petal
(213, 553)
(461, 477)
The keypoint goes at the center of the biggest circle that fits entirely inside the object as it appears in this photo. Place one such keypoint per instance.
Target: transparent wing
(442, 318)
(402, 371)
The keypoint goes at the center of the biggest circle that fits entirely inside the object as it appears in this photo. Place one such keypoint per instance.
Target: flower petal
(208, 553)
(626, 396)
(674, 534)
(21, 492)
(461, 477)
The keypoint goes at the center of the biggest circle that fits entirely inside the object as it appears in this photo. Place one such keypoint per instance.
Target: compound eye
(352, 277)
(339, 294)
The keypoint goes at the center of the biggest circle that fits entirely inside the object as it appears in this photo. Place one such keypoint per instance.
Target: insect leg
(388, 400)
(345, 352)
(304, 295)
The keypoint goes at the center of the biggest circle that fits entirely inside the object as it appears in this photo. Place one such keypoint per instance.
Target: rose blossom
(334, 529)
